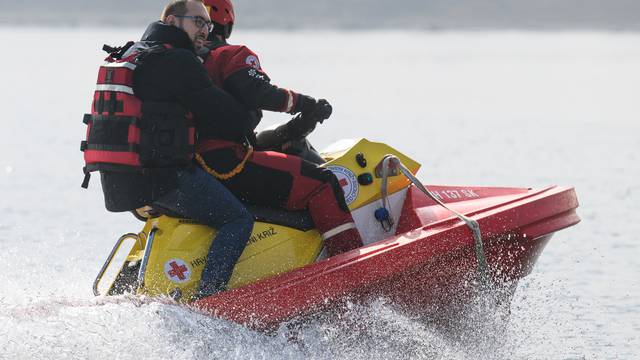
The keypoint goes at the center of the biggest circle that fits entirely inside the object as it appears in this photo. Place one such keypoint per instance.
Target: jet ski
(427, 248)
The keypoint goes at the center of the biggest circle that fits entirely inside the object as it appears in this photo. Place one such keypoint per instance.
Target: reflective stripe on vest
(118, 88)
(128, 65)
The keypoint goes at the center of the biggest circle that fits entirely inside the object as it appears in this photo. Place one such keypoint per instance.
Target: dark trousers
(201, 197)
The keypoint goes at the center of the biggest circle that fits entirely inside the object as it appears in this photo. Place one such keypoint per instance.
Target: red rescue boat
(428, 261)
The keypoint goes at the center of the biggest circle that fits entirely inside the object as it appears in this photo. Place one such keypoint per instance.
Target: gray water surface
(494, 109)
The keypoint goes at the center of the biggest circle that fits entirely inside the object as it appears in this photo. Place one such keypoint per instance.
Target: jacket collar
(213, 42)
(168, 34)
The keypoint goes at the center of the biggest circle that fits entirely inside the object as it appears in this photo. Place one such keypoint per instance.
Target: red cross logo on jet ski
(348, 182)
(177, 270)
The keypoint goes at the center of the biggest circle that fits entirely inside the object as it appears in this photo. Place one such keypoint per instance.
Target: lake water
(475, 108)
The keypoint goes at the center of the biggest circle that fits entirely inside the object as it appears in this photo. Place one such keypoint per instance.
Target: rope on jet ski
(230, 174)
(483, 267)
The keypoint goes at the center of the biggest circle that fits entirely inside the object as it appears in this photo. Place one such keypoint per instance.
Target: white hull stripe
(337, 230)
(127, 65)
(119, 88)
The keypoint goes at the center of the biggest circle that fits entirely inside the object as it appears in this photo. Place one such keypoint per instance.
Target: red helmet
(222, 16)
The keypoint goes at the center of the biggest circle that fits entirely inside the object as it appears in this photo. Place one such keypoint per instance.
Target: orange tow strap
(230, 174)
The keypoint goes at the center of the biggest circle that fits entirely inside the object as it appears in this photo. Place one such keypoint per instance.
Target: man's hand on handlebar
(305, 122)
(322, 111)
(313, 110)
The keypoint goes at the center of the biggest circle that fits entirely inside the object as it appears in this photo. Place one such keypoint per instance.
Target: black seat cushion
(300, 220)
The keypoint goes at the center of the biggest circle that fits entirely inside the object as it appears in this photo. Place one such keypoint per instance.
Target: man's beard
(199, 42)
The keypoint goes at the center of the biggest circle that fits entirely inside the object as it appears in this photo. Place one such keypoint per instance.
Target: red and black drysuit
(270, 178)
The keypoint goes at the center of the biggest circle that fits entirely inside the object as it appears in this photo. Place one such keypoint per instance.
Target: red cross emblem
(253, 61)
(177, 270)
(347, 181)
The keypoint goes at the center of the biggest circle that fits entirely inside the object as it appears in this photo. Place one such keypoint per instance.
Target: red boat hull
(428, 265)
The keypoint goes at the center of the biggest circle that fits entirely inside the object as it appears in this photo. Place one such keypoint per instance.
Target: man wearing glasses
(165, 70)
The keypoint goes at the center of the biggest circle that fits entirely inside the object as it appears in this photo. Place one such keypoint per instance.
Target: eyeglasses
(199, 21)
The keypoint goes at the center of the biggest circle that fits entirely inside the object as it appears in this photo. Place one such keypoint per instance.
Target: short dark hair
(175, 7)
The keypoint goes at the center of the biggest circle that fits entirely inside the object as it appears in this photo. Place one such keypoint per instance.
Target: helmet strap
(222, 30)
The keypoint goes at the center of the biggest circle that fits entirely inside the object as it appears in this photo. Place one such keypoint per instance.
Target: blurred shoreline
(421, 15)
(143, 24)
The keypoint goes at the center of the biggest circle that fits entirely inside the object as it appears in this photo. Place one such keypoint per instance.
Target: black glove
(309, 107)
(322, 110)
(310, 112)
(304, 104)
(313, 110)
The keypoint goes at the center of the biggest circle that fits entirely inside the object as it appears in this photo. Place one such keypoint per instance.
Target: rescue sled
(427, 249)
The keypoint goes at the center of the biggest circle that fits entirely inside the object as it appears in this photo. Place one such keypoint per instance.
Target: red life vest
(125, 134)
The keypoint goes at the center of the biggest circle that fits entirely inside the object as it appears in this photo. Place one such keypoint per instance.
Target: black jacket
(172, 75)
